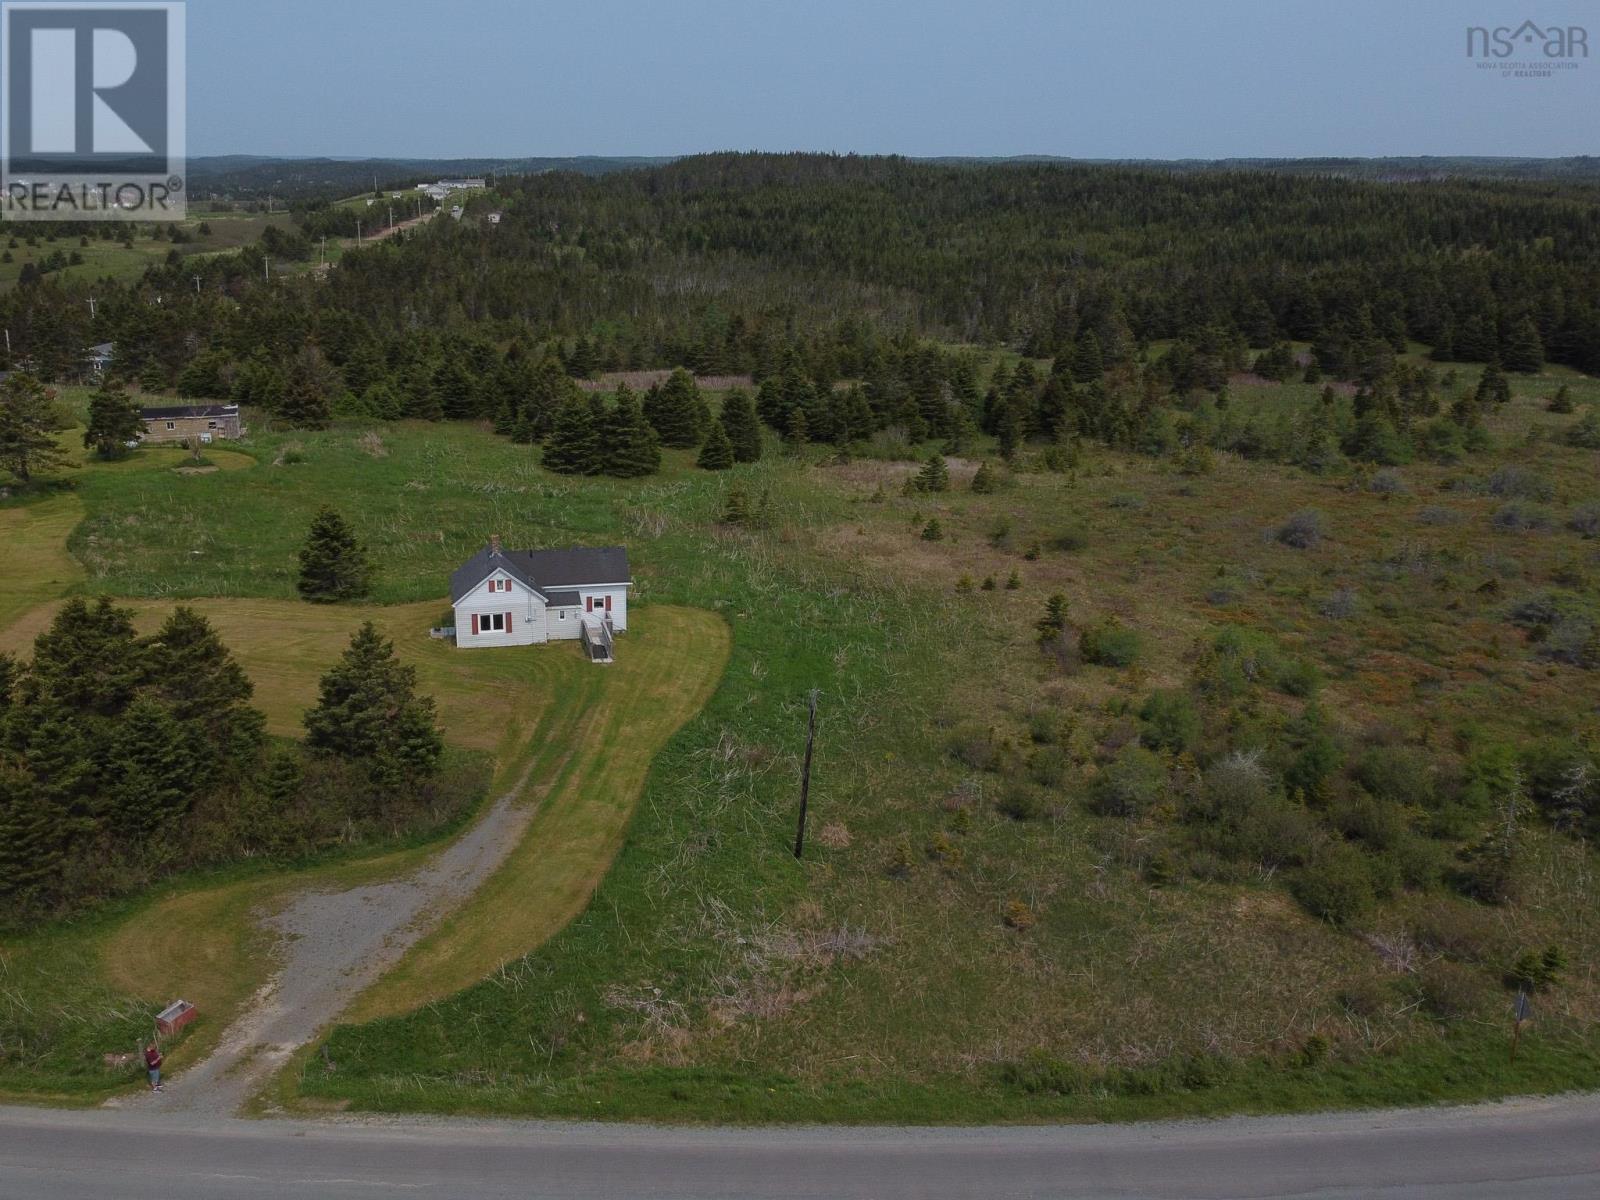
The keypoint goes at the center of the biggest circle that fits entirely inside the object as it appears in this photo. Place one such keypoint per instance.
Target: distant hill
(249, 177)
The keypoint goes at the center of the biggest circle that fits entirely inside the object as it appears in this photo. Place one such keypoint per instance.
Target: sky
(1077, 78)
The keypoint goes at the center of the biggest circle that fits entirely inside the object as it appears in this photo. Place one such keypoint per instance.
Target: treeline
(126, 758)
(728, 263)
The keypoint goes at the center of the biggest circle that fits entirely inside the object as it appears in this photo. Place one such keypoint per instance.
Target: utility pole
(8, 341)
(266, 267)
(358, 233)
(805, 776)
(91, 308)
(197, 285)
(322, 255)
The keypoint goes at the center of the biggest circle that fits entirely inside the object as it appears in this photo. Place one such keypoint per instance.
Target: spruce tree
(152, 771)
(717, 453)
(984, 481)
(114, 421)
(333, 564)
(799, 432)
(743, 427)
(573, 447)
(677, 411)
(305, 394)
(27, 428)
(1524, 352)
(368, 711)
(934, 476)
(933, 531)
(1492, 386)
(629, 447)
(89, 659)
(32, 841)
(1561, 402)
(1054, 621)
(190, 670)
(736, 510)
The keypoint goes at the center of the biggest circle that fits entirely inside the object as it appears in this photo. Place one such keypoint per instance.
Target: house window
(492, 623)
(172, 424)
(211, 424)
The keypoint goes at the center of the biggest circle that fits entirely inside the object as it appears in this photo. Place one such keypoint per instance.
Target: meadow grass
(712, 976)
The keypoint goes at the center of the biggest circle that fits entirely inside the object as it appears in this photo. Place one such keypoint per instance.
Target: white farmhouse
(527, 597)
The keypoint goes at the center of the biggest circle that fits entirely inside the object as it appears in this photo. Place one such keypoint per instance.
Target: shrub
(1019, 916)
(1171, 721)
(1399, 774)
(1047, 767)
(1449, 990)
(1436, 515)
(1518, 483)
(1335, 885)
(1381, 824)
(1585, 432)
(1130, 785)
(1110, 645)
(1020, 802)
(976, 749)
(1522, 518)
(1302, 531)
(1071, 540)
(933, 531)
(1536, 970)
(1364, 998)
(1339, 605)
(1585, 520)
(1387, 482)
(1240, 658)
(1044, 727)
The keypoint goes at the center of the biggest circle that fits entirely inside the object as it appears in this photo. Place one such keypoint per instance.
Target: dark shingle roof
(188, 410)
(544, 570)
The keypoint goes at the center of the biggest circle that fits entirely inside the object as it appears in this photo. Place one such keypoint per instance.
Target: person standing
(152, 1063)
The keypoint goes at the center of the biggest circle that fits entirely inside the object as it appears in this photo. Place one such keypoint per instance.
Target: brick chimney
(494, 543)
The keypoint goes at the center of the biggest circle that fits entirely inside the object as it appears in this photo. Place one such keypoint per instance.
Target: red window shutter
(474, 623)
(608, 603)
(508, 622)
(508, 585)
(588, 604)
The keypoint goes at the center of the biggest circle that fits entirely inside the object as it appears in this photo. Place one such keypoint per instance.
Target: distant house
(494, 218)
(528, 597)
(97, 359)
(184, 422)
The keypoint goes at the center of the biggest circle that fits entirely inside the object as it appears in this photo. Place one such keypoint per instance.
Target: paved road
(1530, 1150)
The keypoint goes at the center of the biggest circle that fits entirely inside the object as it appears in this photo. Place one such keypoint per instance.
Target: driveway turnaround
(1530, 1150)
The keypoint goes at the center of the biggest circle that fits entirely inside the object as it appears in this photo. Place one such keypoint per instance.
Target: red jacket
(152, 1058)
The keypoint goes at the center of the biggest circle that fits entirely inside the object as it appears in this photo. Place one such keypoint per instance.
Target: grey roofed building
(551, 573)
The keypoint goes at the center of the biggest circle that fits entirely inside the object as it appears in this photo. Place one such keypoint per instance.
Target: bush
(1304, 530)
(1132, 784)
(1399, 774)
(1047, 767)
(1449, 990)
(1110, 645)
(1240, 658)
(1171, 721)
(1071, 540)
(1020, 802)
(1336, 885)
(976, 749)
(1536, 970)
(1388, 482)
(1518, 483)
(1585, 432)
(1585, 520)
(1522, 518)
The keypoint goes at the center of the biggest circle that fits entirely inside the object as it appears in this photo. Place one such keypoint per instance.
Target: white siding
(565, 624)
(619, 603)
(525, 609)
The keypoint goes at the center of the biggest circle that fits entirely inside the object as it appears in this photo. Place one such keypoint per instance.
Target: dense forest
(841, 284)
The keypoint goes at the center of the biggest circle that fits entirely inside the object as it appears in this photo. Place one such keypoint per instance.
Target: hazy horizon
(1152, 80)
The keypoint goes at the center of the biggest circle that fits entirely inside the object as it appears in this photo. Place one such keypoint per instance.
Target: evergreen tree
(190, 670)
(1524, 352)
(114, 421)
(742, 426)
(984, 482)
(1054, 622)
(32, 840)
(573, 447)
(677, 410)
(89, 660)
(1493, 387)
(934, 476)
(333, 564)
(736, 510)
(933, 531)
(27, 428)
(305, 393)
(799, 430)
(629, 447)
(152, 771)
(1088, 362)
(717, 453)
(1561, 402)
(368, 710)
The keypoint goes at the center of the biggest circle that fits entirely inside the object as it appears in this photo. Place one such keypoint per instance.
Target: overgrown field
(976, 931)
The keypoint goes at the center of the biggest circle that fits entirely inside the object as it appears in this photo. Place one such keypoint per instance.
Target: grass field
(200, 940)
(714, 977)
(112, 260)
